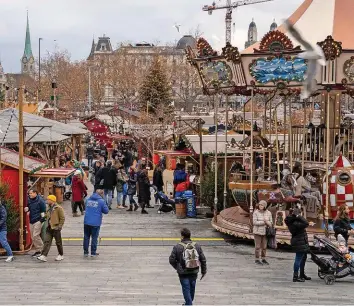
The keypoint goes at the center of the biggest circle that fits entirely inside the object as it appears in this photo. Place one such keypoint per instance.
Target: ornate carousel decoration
(332, 49)
(276, 42)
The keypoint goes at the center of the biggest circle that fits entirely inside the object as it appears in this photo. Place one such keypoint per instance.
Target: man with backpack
(186, 258)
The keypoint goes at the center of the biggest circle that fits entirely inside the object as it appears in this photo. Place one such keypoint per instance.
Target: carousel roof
(317, 19)
(341, 162)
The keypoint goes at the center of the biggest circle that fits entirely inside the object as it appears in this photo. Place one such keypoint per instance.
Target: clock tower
(27, 60)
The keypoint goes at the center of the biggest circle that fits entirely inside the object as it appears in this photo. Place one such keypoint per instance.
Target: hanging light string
(8, 127)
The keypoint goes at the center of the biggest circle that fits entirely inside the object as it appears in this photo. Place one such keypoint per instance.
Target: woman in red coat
(78, 193)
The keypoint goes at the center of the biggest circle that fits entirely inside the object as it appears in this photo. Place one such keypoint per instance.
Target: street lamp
(39, 66)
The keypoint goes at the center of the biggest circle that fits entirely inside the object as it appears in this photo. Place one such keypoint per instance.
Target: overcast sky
(73, 23)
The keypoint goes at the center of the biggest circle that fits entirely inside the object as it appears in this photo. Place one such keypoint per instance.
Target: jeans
(188, 288)
(91, 232)
(131, 199)
(49, 235)
(89, 161)
(121, 198)
(108, 194)
(5, 244)
(300, 261)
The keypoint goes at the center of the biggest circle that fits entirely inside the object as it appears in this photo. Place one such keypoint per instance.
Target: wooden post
(73, 143)
(251, 200)
(303, 141)
(20, 162)
(326, 215)
(201, 164)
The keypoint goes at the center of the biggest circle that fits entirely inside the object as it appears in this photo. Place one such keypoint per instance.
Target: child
(342, 246)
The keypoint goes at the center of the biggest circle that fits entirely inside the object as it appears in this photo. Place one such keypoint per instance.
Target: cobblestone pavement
(133, 270)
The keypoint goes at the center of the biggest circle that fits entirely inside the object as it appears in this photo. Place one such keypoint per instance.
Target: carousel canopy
(317, 19)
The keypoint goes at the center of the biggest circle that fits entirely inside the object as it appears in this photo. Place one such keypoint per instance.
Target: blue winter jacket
(3, 219)
(95, 207)
(36, 206)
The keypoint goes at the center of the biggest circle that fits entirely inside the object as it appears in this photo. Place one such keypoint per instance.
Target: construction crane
(229, 7)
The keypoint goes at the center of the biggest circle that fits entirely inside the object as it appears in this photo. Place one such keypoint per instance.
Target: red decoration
(275, 41)
(173, 163)
(156, 159)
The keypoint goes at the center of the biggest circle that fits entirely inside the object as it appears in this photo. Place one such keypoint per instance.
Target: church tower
(27, 60)
(273, 26)
(252, 34)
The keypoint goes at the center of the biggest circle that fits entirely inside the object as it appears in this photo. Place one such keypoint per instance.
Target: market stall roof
(52, 131)
(11, 158)
(316, 19)
(173, 153)
(54, 172)
(120, 137)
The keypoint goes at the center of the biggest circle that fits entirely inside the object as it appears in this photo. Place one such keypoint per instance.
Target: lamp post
(54, 87)
(225, 169)
(39, 67)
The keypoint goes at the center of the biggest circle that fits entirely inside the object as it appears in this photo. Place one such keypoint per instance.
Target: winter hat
(341, 240)
(52, 198)
(264, 203)
(77, 172)
(286, 172)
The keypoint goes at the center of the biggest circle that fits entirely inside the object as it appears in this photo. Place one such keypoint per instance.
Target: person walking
(37, 209)
(297, 225)
(121, 182)
(128, 160)
(55, 219)
(3, 232)
(107, 176)
(94, 177)
(78, 194)
(132, 181)
(187, 258)
(144, 190)
(96, 206)
(341, 224)
(90, 152)
(262, 218)
(157, 180)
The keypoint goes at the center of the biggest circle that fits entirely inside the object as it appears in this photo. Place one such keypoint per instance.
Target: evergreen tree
(155, 92)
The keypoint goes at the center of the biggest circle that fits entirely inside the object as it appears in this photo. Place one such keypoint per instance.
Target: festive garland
(33, 171)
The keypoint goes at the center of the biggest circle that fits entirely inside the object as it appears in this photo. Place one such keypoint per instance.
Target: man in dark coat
(187, 276)
(37, 210)
(108, 176)
(90, 151)
(297, 225)
(128, 160)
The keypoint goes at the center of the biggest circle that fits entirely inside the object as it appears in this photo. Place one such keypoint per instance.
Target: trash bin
(181, 208)
(191, 205)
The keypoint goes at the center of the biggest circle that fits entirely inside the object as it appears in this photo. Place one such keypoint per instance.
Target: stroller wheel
(159, 211)
(321, 275)
(329, 279)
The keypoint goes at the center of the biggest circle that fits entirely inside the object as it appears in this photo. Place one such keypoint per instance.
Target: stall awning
(120, 137)
(54, 172)
(10, 158)
(173, 153)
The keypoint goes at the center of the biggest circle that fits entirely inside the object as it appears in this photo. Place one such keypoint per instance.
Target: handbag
(270, 231)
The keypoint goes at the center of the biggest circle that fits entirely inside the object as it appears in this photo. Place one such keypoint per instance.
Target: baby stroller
(330, 269)
(166, 205)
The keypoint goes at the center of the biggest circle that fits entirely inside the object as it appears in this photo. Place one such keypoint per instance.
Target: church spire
(28, 46)
(27, 60)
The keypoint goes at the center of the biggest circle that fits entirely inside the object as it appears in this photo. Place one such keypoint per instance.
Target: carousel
(291, 165)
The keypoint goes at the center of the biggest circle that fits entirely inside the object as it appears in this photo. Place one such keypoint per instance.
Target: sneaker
(144, 212)
(36, 254)
(42, 258)
(95, 255)
(136, 207)
(118, 206)
(59, 258)
(265, 262)
(9, 259)
(258, 262)
(76, 215)
(86, 254)
(130, 209)
(159, 211)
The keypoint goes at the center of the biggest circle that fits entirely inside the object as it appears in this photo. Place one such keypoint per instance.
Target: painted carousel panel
(278, 69)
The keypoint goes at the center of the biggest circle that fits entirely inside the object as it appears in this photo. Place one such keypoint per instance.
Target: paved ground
(133, 270)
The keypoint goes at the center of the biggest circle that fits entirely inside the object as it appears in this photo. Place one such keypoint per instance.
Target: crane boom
(229, 7)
